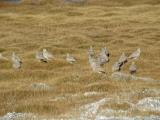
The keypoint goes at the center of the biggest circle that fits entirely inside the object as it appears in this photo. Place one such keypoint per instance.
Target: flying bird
(70, 59)
(136, 54)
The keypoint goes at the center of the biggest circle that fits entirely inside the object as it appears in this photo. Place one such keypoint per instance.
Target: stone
(149, 104)
(40, 86)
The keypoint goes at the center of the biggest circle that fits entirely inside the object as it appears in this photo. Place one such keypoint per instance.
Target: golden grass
(121, 26)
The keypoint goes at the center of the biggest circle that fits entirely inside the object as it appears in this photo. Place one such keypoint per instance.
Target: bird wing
(39, 56)
(134, 55)
(18, 58)
(16, 64)
(122, 58)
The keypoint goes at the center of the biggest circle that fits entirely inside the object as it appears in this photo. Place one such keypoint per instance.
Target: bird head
(44, 50)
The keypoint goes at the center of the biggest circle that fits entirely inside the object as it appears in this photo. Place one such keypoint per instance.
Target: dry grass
(121, 26)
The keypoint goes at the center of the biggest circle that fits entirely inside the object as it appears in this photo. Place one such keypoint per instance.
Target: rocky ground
(100, 109)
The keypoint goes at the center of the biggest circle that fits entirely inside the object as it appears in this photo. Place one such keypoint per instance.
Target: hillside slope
(121, 26)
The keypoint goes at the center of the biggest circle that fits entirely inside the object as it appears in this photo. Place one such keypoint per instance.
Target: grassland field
(119, 25)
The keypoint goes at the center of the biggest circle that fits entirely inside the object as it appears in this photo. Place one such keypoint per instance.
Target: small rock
(90, 111)
(40, 86)
(149, 104)
(18, 116)
(128, 118)
(152, 117)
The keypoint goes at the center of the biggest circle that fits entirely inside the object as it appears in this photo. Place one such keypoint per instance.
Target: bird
(16, 65)
(116, 67)
(2, 57)
(106, 51)
(15, 58)
(136, 54)
(70, 59)
(47, 55)
(103, 57)
(95, 64)
(16, 61)
(133, 68)
(39, 56)
(122, 59)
